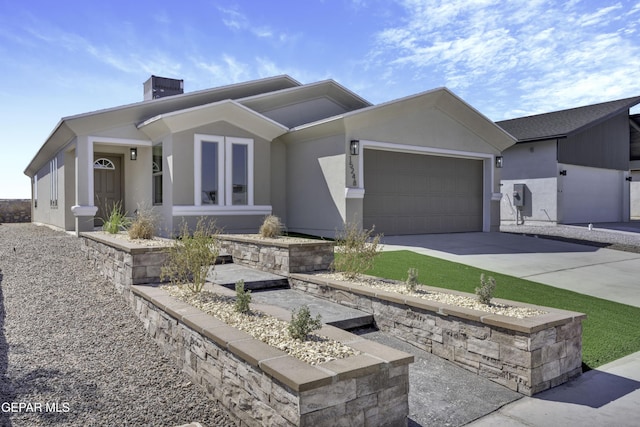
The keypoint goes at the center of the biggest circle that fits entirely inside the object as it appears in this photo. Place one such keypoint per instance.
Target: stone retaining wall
(262, 385)
(259, 384)
(15, 210)
(122, 262)
(526, 355)
(279, 256)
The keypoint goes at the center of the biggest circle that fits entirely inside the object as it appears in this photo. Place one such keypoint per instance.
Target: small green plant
(143, 225)
(412, 280)
(486, 289)
(243, 298)
(191, 256)
(271, 227)
(302, 324)
(356, 250)
(117, 220)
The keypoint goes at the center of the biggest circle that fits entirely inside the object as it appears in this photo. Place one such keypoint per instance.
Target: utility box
(518, 194)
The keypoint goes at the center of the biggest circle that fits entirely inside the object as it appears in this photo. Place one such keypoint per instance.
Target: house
(572, 166)
(317, 155)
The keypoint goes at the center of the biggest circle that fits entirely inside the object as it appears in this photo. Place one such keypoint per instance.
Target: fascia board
(228, 110)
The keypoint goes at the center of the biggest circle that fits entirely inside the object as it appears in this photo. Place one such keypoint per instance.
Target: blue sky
(505, 58)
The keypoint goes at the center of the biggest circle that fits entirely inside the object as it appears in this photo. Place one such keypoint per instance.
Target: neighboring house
(316, 155)
(572, 166)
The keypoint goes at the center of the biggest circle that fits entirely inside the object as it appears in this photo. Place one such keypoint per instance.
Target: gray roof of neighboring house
(562, 123)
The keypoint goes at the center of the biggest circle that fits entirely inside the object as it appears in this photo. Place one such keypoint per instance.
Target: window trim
(225, 171)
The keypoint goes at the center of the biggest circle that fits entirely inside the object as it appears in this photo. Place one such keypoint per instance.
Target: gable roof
(133, 114)
(564, 123)
(440, 98)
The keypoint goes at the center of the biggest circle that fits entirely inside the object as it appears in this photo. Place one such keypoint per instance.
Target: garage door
(417, 194)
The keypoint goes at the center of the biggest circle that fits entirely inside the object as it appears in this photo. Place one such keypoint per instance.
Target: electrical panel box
(518, 194)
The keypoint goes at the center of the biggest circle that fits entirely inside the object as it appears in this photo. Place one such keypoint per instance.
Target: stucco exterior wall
(44, 211)
(540, 204)
(590, 195)
(316, 185)
(634, 195)
(183, 162)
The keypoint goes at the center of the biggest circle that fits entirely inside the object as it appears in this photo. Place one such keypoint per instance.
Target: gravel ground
(68, 338)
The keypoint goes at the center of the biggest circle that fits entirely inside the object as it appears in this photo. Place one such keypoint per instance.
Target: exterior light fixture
(629, 178)
(563, 172)
(133, 153)
(499, 162)
(355, 147)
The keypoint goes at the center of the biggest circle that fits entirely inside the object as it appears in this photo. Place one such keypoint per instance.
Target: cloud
(550, 55)
(238, 21)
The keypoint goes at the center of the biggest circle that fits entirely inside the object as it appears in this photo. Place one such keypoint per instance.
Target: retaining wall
(15, 210)
(280, 255)
(259, 384)
(526, 355)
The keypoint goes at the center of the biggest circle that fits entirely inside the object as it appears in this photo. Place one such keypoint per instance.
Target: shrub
(117, 220)
(271, 227)
(144, 225)
(356, 250)
(486, 289)
(302, 324)
(191, 256)
(243, 298)
(412, 279)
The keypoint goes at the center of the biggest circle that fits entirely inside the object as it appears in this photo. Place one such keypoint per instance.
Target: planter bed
(262, 385)
(282, 255)
(125, 262)
(526, 355)
(259, 384)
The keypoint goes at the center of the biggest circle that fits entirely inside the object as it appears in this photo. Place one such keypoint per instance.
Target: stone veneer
(262, 385)
(259, 384)
(15, 210)
(280, 255)
(526, 355)
(123, 262)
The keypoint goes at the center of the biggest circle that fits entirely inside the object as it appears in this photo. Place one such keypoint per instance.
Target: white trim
(229, 142)
(496, 197)
(84, 210)
(119, 141)
(206, 210)
(198, 139)
(354, 193)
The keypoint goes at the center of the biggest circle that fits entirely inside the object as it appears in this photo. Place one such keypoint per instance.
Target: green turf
(611, 330)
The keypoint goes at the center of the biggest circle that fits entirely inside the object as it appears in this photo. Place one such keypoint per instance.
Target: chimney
(159, 87)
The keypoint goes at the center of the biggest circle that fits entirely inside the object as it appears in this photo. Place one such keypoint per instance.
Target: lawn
(610, 331)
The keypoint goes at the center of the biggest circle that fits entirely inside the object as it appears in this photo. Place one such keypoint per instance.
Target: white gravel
(68, 338)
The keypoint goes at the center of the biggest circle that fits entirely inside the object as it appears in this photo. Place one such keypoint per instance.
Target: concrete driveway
(599, 272)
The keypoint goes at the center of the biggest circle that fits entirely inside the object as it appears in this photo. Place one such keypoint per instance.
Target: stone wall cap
(283, 242)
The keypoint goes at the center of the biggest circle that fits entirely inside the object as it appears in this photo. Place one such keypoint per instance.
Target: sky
(506, 58)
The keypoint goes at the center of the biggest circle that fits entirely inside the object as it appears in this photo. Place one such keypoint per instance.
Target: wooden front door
(107, 181)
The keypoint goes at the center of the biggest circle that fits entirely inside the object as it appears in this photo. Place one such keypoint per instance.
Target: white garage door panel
(413, 193)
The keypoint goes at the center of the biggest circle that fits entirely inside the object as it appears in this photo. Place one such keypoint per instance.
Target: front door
(107, 179)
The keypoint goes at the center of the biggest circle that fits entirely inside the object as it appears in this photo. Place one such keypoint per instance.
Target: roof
(559, 124)
(440, 98)
(69, 127)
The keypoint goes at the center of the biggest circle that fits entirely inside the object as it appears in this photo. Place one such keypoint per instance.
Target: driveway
(590, 270)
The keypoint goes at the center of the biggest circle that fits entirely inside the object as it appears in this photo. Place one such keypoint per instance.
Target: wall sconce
(355, 147)
(629, 178)
(133, 153)
(563, 172)
(499, 162)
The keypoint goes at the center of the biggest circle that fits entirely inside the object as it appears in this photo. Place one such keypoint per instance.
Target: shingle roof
(565, 122)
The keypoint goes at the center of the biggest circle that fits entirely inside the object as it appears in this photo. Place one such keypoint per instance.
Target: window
(53, 182)
(223, 171)
(156, 158)
(239, 174)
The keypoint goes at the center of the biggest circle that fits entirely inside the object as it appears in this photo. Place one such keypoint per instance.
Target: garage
(408, 193)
